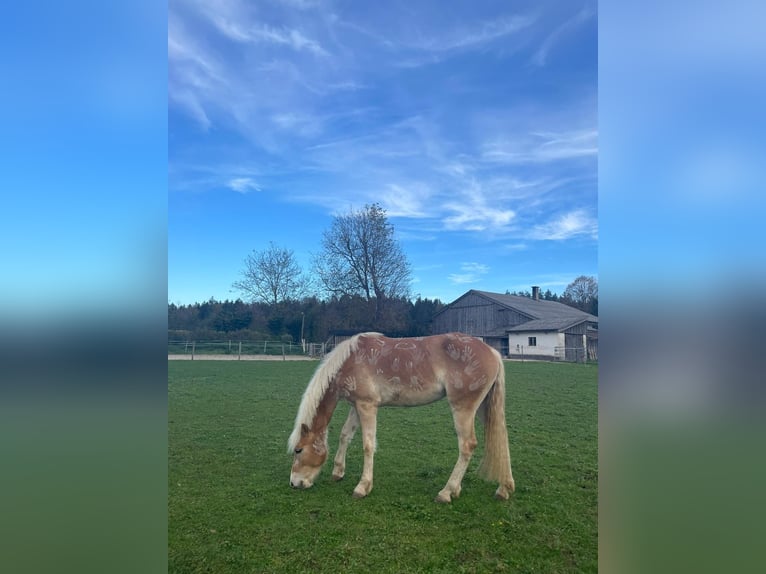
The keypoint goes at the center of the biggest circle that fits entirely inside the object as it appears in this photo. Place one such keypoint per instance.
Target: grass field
(231, 509)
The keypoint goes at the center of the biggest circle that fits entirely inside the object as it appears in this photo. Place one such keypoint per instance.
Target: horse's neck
(325, 410)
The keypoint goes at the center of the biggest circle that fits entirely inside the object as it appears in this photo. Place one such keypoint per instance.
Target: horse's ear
(304, 430)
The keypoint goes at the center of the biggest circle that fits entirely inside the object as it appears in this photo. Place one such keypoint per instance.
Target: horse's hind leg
(346, 434)
(466, 440)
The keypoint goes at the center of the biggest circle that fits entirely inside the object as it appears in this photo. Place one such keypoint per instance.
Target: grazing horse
(370, 371)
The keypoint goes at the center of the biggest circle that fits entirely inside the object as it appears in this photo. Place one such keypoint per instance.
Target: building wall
(574, 347)
(579, 329)
(545, 348)
(592, 345)
(475, 315)
(576, 344)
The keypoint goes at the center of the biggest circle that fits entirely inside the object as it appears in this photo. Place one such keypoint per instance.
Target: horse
(370, 370)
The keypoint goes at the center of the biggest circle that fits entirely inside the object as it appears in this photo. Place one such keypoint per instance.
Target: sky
(473, 124)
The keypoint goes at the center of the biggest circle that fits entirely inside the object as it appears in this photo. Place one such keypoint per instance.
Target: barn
(522, 327)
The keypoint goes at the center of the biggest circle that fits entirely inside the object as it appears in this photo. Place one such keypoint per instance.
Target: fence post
(194, 343)
(239, 355)
(264, 347)
(283, 352)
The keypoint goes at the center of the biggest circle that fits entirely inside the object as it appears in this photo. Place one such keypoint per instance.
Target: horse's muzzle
(296, 482)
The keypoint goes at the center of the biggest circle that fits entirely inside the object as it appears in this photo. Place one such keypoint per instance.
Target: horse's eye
(298, 450)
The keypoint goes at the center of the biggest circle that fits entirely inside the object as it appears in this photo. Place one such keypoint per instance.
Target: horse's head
(309, 456)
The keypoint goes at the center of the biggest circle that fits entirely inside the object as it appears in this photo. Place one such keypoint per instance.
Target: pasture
(230, 507)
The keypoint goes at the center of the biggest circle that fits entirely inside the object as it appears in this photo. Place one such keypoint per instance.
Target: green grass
(231, 508)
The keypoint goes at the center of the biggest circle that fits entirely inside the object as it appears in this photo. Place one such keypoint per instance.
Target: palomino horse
(370, 371)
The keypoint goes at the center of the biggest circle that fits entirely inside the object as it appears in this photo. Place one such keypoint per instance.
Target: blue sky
(474, 124)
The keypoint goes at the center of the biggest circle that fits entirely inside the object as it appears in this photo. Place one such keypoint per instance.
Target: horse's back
(416, 371)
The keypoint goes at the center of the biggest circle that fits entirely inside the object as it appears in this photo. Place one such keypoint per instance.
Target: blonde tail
(496, 464)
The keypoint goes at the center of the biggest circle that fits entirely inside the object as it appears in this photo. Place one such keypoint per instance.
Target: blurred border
(681, 211)
(83, 299)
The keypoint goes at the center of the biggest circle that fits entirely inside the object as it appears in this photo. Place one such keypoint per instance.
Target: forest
(310, 318)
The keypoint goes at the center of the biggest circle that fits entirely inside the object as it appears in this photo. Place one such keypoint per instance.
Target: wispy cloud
(540, 57)
(193, 73)
(301, 4)
(189, 102)
(543, 147)
(477, 36)
(432, 179)
(572, 224)
(301, 124)
(434, 48)
(347, 137)
(199, 177)
(476, 218)
(292, 38)
(476, 210)
(405, 201)
(512, 247)
(229, 69)
(243, 185)
(235, 21)
(471, 272)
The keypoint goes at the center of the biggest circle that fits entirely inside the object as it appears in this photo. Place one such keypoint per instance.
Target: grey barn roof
(544, 315)
(545, 325)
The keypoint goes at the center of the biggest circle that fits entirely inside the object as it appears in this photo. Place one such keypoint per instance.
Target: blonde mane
(319, 384)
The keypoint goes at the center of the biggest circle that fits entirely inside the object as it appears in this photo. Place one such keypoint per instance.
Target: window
(533, 341)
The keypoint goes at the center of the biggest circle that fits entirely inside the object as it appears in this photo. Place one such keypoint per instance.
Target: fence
(571, 354)
(245, 348)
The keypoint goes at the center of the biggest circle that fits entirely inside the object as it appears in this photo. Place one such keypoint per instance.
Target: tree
(360, 256)
(583, 294)
(421, 314)
(272, 276)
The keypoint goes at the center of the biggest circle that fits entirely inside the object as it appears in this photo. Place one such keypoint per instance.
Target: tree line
(310, 318)
(359, 281)
(314, 319)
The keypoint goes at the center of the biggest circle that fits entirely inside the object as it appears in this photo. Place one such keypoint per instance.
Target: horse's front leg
(368, 414)
(346, 434)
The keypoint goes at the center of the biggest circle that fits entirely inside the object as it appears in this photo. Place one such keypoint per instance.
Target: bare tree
(583, 294)
(360, 256)
(272, 276)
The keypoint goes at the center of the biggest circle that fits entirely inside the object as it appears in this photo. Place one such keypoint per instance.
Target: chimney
(535, 292)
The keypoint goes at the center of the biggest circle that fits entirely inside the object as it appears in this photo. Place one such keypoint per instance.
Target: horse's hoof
(443, 498)
(337, 477)
(357, 494)
(501, 494)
